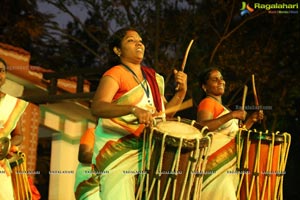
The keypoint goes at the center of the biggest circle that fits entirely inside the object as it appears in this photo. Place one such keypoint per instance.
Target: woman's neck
(217, 98)
(133, 66)
(136, 68)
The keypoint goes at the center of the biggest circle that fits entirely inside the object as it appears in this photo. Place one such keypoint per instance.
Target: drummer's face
(215, 85)
(132, 47)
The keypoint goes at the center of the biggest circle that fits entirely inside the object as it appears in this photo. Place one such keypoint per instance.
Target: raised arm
(181, 79)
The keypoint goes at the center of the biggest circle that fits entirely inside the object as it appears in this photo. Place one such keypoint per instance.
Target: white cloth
(6, 187)
(222, 184)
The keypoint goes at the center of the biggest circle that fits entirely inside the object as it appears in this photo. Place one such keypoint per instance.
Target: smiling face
(215, 85)
(132, 48)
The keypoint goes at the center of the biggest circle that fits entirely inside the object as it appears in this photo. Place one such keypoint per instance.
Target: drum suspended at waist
(174, 158)
(262, 160)
(176, 129)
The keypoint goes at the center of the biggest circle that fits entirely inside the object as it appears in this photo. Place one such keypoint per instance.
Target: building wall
(66, 125)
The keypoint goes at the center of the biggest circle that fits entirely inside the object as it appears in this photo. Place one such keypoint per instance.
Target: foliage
(21, 24)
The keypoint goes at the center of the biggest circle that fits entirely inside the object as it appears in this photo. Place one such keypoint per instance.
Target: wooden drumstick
(255, 94)
(254, 91)
(186, 104)
(185, 58)
(186, 55)
(244, 97)
(243, 102)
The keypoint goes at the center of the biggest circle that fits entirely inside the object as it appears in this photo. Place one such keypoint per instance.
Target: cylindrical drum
(262, 159)
(174, 159)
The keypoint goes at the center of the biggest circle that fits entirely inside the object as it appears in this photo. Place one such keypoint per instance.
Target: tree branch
(227, 35)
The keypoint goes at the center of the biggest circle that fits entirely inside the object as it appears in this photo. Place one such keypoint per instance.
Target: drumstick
(254, 91)
(244, 97)
(185, 58)
(186, 55)
(255, 94)
(186, 104)
(243, 102)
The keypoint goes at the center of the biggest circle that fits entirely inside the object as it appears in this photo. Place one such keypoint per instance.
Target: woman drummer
(222, 183)
(129, 95)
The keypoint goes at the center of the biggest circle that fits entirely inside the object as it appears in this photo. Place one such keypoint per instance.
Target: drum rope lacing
(190, 179)
(283, 149)
(19, 177)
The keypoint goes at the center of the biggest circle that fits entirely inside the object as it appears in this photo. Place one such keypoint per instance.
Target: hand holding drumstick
(257, 115)
(146, 117)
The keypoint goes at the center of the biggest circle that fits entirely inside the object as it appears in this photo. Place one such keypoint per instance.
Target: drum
(19, 177)
(174, 159)
(262, 159)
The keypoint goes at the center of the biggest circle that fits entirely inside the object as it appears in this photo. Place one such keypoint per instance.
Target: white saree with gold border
(11, 109)
(118, 148)
(221, 179)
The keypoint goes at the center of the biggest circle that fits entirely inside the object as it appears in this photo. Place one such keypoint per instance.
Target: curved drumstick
(186, 55)
(254, 91)
(185, 58)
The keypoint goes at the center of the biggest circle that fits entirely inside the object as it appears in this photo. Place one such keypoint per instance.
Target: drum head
(178, 130)
(4, 147)
(264, 137)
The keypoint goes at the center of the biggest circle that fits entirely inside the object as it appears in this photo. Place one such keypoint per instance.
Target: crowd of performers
(128, 98)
